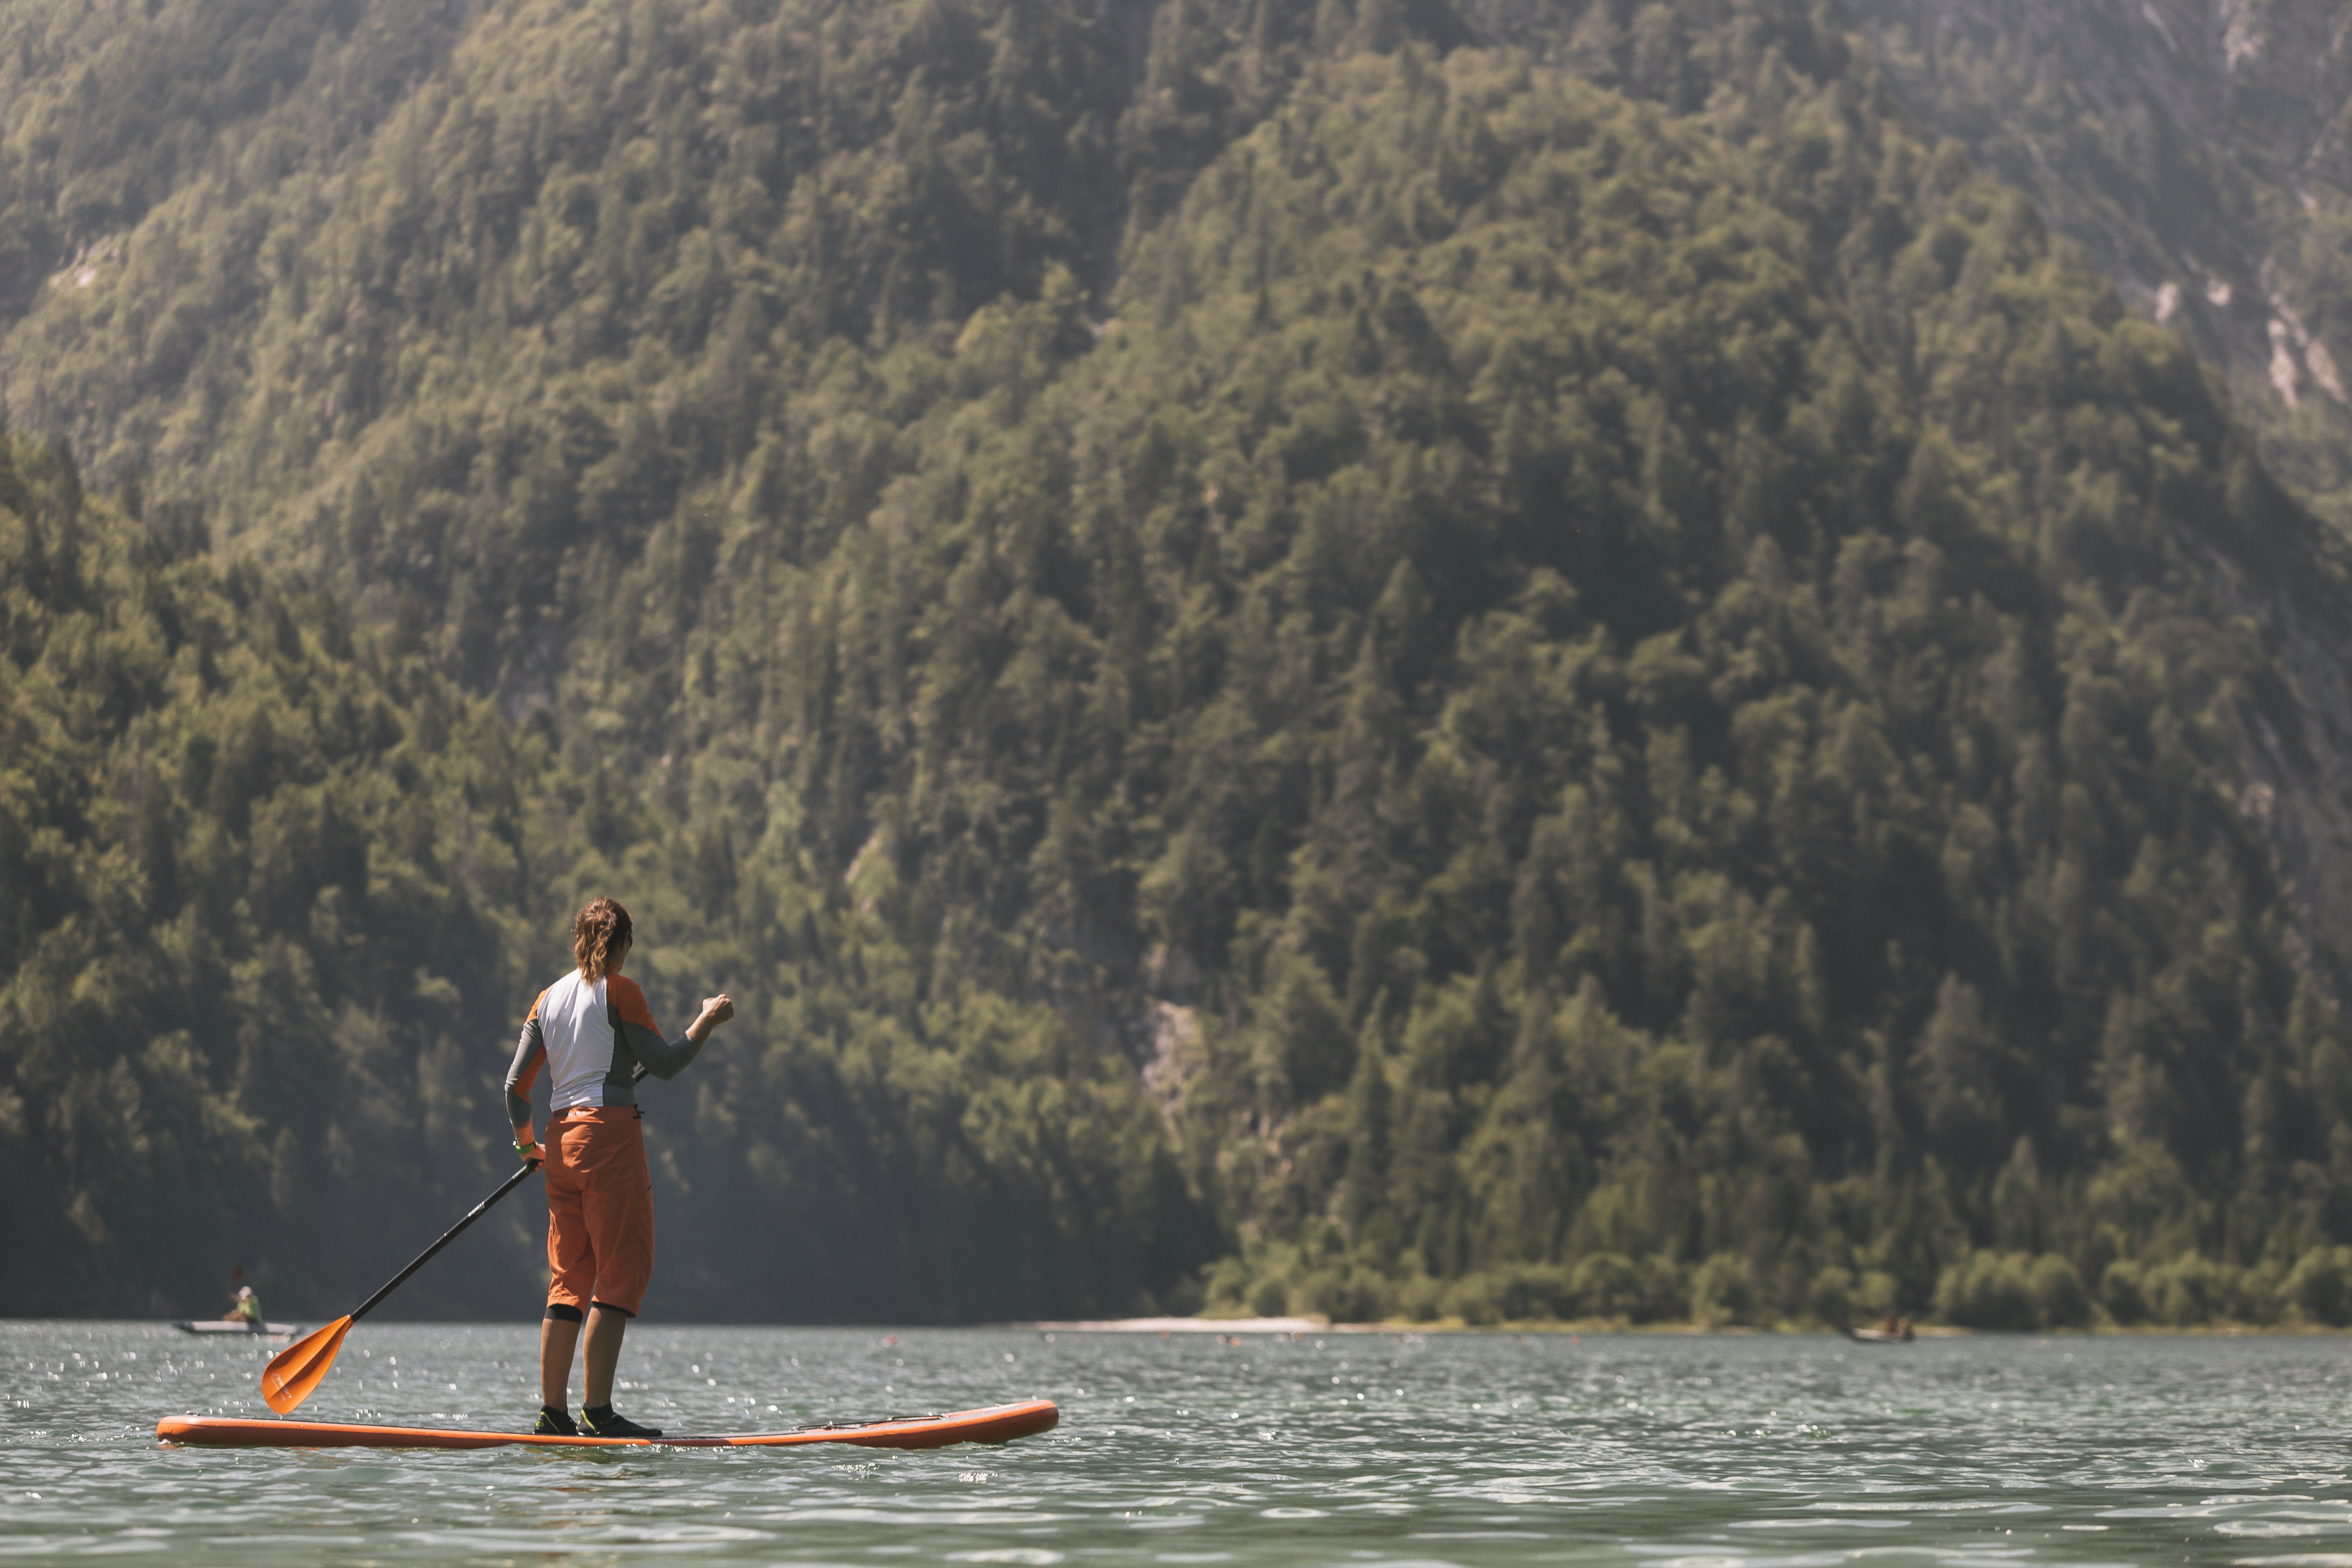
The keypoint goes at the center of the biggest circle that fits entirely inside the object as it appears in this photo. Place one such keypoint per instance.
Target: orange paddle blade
(294, 1372)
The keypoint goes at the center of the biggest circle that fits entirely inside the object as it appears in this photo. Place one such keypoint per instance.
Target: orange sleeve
(527, 1067)
(530, 1052)
(629, 1002)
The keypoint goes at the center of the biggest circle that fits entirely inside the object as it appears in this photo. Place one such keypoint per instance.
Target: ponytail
(597, 931)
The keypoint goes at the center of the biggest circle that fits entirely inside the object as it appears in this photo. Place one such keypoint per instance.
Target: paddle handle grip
(454, 1231)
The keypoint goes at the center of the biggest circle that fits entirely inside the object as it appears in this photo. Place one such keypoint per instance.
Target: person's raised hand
(718, 1009)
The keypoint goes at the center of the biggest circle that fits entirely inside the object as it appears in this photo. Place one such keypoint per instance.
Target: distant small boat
(1881, 1336)
(255, 1330)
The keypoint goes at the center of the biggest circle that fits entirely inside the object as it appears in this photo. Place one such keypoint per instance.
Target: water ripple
(1381, 1449)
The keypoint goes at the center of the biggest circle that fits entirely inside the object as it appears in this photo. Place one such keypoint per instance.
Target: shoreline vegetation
(1169, 1326)
(2012, 1292)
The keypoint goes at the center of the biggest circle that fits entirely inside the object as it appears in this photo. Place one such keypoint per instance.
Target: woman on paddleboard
(592, 1030)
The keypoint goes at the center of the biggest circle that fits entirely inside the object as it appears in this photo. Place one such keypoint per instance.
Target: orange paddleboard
(996, 1424)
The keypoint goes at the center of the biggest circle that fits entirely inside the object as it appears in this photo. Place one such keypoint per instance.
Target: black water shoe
(598, 1421)
(554, 1422)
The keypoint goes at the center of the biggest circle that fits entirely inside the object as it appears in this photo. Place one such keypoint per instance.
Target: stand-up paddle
(294, 1372)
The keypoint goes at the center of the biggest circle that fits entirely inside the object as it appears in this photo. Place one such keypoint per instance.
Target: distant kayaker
(592, 1029)
(245, 1308)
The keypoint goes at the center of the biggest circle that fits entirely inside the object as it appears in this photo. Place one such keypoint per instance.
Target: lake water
(1652, 1450)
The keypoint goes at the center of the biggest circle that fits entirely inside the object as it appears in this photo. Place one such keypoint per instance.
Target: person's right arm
(530, 1051)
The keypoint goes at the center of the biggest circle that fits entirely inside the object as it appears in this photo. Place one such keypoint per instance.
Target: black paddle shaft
(454, 1231)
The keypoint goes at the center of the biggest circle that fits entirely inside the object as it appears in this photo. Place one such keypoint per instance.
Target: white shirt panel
(578, 1030)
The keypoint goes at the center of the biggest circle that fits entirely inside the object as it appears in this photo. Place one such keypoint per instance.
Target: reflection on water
(1656, 1451)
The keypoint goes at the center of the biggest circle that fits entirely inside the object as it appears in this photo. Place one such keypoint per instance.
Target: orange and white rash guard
(590, 1035)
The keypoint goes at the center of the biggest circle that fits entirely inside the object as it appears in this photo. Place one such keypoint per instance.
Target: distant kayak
(995, 1423)
(1881, 1336)
(254, 1330)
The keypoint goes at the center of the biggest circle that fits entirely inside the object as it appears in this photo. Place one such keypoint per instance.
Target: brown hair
(600, 928)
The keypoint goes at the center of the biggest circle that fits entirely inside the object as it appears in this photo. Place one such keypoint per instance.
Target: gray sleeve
(662, 1058)
(531, 1053)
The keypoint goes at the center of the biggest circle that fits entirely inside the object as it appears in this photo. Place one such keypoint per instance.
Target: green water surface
(1766, 1451)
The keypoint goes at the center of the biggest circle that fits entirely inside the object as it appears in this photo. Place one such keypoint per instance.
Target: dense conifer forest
(1336, 658)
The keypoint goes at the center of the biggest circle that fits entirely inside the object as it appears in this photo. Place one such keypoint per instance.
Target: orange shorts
(600, 1208)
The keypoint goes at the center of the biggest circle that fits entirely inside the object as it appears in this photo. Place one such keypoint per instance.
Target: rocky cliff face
(2296, 734)
(2201, 150)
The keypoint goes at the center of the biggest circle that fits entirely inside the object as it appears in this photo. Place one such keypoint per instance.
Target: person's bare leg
(605, 1327)
(557, 1340)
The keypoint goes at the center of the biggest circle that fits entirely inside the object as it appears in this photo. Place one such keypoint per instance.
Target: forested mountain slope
(1282, 657)
(2201, 150)
(106, 110)
(255, 866)
(275, 889)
